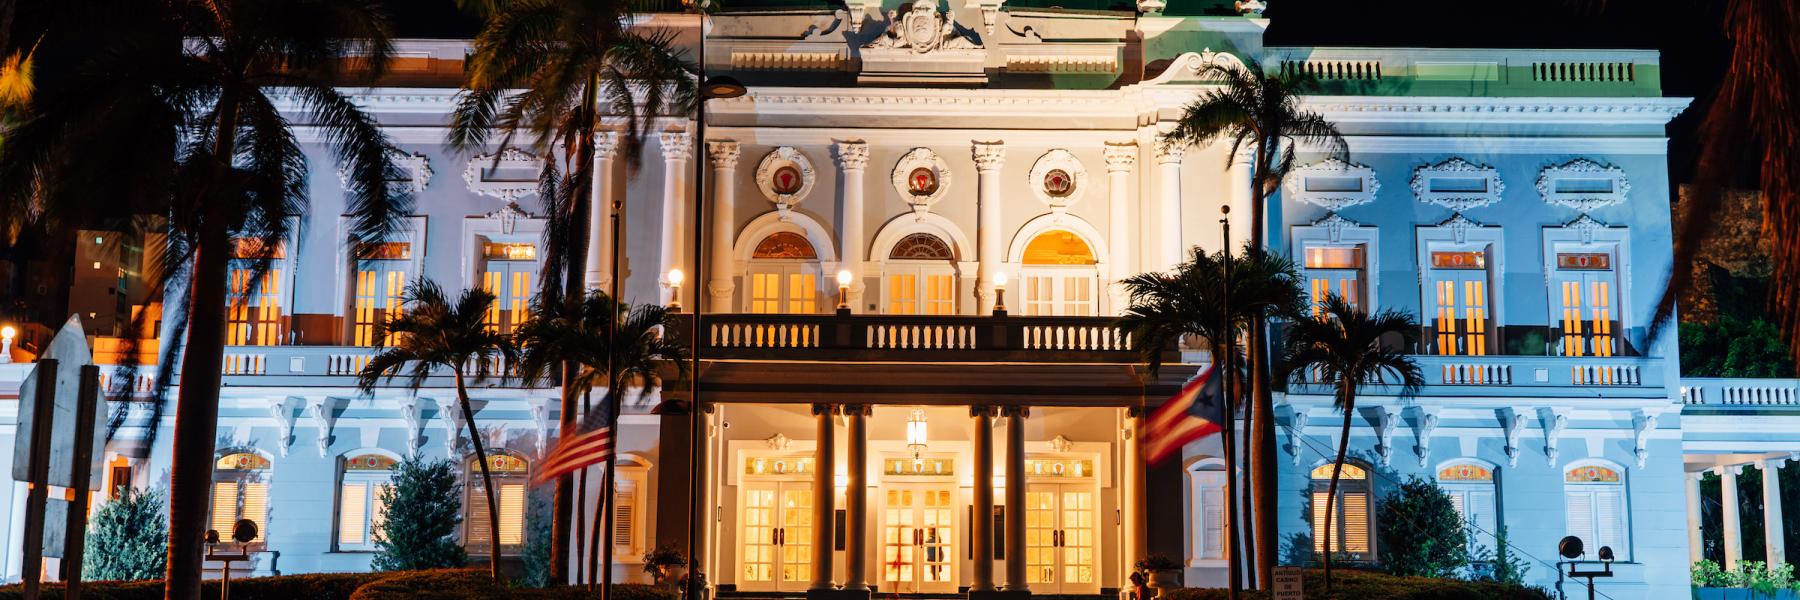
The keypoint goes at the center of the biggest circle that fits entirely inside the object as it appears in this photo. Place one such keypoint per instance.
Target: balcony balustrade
(1714, 391)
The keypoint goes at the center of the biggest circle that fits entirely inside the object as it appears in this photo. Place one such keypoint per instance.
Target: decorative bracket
(1512, 423)
(1555, 421)
(1061, 444)
(1425, 426)
(453, 424)
(1459, 227)
(414, 416)
(1385, 422)
(1642, 424)
(324, 413)
(283, 410)
(540, 420)
(1296, 432)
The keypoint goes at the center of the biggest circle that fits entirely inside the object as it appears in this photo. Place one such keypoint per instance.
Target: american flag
(1195, 412)
(590, 443)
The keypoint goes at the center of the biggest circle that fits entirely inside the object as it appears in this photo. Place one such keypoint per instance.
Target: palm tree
(551, 70)
(611, 344)
(180, 116)
(1191, 301)
(1263, 112)
(1347, 349)
(434, 334)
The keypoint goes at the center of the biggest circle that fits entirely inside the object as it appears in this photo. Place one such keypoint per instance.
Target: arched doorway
(919, 277)
(783, 275)
(1058, 275)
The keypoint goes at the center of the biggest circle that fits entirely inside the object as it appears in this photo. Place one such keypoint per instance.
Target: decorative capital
(724, 154)
(853, 155)
(1015, 411)
(981, 410)
(989, 155)
(1151, 6)
(676, 145)
(823, 409)
(1251, 8)
(606, 145)
(1169, 153)
(1120, 157)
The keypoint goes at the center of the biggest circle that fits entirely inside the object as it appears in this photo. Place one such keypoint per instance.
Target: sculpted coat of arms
(923, 29)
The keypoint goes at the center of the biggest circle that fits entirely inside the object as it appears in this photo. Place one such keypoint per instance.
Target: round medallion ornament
(921, 177)
(1058, 178)
(785, 177)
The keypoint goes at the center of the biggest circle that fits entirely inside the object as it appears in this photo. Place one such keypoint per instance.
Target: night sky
(1688, 32)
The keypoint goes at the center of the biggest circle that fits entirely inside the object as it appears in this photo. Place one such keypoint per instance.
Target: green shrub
(1505, 566)
(424, 506)
(1354, 584)
(316, 586)
(472, 584)
(1421, 532)
(128, 538)
(536, 555)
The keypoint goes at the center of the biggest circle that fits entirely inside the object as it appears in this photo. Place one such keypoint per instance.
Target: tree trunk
(487, 479)
(1228, 443)
(197, 400)
(1349, 406)
(575, 288)
(611, 483)
(1262, 452)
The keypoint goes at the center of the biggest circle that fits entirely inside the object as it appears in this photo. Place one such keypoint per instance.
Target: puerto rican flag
(1192, 414)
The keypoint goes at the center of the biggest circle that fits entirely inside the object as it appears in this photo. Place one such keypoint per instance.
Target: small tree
(1421, 532)
(423, 509)
(1508, 567)
(128, 538)
(539, 522)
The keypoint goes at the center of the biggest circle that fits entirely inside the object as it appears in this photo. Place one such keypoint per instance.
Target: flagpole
(1234, 552)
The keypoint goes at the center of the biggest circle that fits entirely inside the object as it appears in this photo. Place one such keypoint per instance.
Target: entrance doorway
(776, 549)
(1060, 547)
(918, 538)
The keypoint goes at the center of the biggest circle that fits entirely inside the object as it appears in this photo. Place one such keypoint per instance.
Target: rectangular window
(1460, 303)
(511, 276)
(510, 496)
(777, 288)
(380, 281)
(1335, 270)
(360, 512)
(1585, 290)
(1349, 523)
(253, 309)
(240, 499)
(1596, 514)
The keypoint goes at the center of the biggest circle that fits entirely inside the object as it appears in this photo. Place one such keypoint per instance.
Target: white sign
(70, 350)
(1288, 583)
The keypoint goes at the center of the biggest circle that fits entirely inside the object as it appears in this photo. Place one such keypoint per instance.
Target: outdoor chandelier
(915, 436)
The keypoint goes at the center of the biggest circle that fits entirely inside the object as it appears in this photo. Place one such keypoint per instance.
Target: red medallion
(1058, 184)
(922, 181)
(787, 180)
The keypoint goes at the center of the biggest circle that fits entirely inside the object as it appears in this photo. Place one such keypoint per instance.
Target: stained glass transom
(1591, 474)
(242, 461)
(501, 463)
(1465, 472)
(921, 246)
(1350, 472)
(784, 244)
(369, 462)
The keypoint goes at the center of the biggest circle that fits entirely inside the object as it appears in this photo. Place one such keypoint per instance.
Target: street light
(7, 334)
(1571, 549)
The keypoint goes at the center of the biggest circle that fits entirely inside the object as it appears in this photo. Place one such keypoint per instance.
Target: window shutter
(224, 507)
(256, 507)
(1356, 521)
(624, 517)
(512, 514)
(1318, 519)
(1579, 508)
(378, 514)
(476, 527)
(352, 513)
(1481, 504)
(1609, 521)
(1215, 523)
(1460, 500)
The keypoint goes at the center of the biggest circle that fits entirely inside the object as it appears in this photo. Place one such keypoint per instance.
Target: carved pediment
(924, 29)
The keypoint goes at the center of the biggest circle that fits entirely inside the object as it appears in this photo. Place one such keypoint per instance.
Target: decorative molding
(606, 144)
(1642, 424)
(788, 61)
(1296, 433)
(1653, 110)
(1385, 422)
(284, 411)
(922, 198)
(414, 168)
(476, 174)
(1168, 152)
(1583, 200)
(1121, 156)
(852, 155)
(988, 156)
(1586, 226)
(1151, 6)
(1061, 444)
(778, 442)
(1062, 63)
(722, 153)
(1555, 422)
(1457, 200)
(1301, 186)
(323, 410)
(509, 216)
(1251, 8)
(1459, 227)
(923, 29)
(1512, 423)
(1190, 65)
(1334, 226)
(540, 420)
(785, 161)
(1424, 427)
(1057, 170)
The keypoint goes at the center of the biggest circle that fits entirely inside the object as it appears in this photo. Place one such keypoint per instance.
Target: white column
(1120, 160)
(988, 158)
(824, 497)
(677, 147)
(853, 159)
(1239, 174)
(856, 500)
(1774, 535)
(1168, 248)
(600, 210)
(1728, 506)
(724, 157)
(1015, 499)
(982, 528)
(1695, 549)
(1136, 498)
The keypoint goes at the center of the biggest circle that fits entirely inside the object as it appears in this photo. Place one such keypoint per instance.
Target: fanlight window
(921, 246)
(1351, 472)
(784, 245)
(1058, 248)
(1591, 474)
(242, 461)
(1465, 472)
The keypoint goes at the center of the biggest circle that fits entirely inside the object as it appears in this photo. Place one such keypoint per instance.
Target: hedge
(1351, 584)
(315, 586)
(461, 584)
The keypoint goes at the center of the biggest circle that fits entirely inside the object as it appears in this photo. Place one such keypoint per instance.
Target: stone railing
(913, 338)
(1713, 391)
(1541, 371)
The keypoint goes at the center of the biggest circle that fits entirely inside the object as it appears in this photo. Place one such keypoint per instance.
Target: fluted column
(724, 157)
(1168, 207)
(1121, 159)
(1015, 499)
(1728, 506)
(1774, 535)
(600, 211)
(853, 159)
(1240, 199)
(1136, 498)
(989, 156)
(824, 497)
(856, 500)
(983, 526)
(677, 147)
(1695, 549)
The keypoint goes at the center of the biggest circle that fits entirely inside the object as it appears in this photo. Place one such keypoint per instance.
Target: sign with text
(1289, 583)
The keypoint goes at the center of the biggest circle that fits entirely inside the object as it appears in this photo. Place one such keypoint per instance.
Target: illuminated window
(360, 508)
(510, 275)
(511, 478)
(380, 281)
(1585, 289)
(1335, 269)
(253, 307)
(920, 277)
(240, 490)
(1058, 276)
(1594, 506)
(784, 275)
(1351, 519)
(928, 467)
(1460, 300)
(1471, 490)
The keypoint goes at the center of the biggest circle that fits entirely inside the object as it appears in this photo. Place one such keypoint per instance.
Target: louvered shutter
(625, 513)
(1609, 520)
(1579, 510)
(1318, 519)
(1214, 523)
(476, 526)
(352, 513)
(1460, 500)
(224, 507)
(378, 512)
(512, 514)
(1356, 522)
(256, 507)
(1485, 515)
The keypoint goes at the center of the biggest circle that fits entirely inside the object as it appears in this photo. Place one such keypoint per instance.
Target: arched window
(1058, 276)
(240, 490)
(920, 275)
(360, 509)
(1352, 521)
(1207, 512)
(1594, 506)
(784, 275)
(1471, 488)
(511, 473)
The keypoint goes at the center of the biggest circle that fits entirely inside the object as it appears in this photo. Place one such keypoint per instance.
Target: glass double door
(775, 540)
(918, 538)
(1061, 552)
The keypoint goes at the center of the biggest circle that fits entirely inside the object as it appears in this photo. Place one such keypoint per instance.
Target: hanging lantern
(915, 436)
